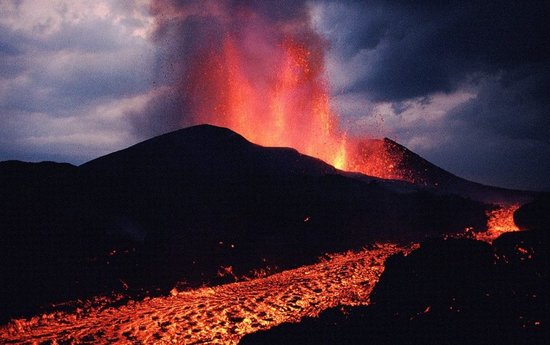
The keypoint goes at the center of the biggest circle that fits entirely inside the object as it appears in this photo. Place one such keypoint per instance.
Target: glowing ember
(499, 221)
(221, 314)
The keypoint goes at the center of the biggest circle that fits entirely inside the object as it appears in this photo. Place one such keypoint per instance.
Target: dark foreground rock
(535, 214)
(446, 292)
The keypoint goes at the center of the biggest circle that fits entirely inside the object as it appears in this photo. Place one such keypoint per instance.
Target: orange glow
(375, 158)
(289, 107)
(221, 314)
(273, 92)
(499, 221)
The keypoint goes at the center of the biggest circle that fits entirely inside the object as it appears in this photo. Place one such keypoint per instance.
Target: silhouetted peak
(206, 132)
(200, 136)
(210, 150)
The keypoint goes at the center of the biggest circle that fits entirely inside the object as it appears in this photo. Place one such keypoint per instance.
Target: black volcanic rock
(535, 214)
(43, 247)
(182, 205)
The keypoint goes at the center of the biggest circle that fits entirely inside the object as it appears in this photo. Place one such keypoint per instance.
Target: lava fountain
(265, 79)
(499, 221)
(279, 100)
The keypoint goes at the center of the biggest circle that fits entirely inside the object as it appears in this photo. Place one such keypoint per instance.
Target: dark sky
(464, 84)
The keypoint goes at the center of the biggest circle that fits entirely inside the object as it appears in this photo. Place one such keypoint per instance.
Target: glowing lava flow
(221, 314)
(224, 314)
(499, 221)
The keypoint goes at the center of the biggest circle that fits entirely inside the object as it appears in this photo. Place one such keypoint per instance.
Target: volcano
(202, 205)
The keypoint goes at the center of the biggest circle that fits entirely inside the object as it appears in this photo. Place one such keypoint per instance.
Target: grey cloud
(11, 49)
(77, 65)
(52, 87)
(494, 160)
(429, 47)
(61, 87)
(513, 109)
(8, 46)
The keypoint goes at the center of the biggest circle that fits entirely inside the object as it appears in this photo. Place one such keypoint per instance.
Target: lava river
(221, 314)
(224, 314)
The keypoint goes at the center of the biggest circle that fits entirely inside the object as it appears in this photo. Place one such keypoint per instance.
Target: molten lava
(289, 107)
(224, 314)
(221, 314)
(267, 83)
(499, 221)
